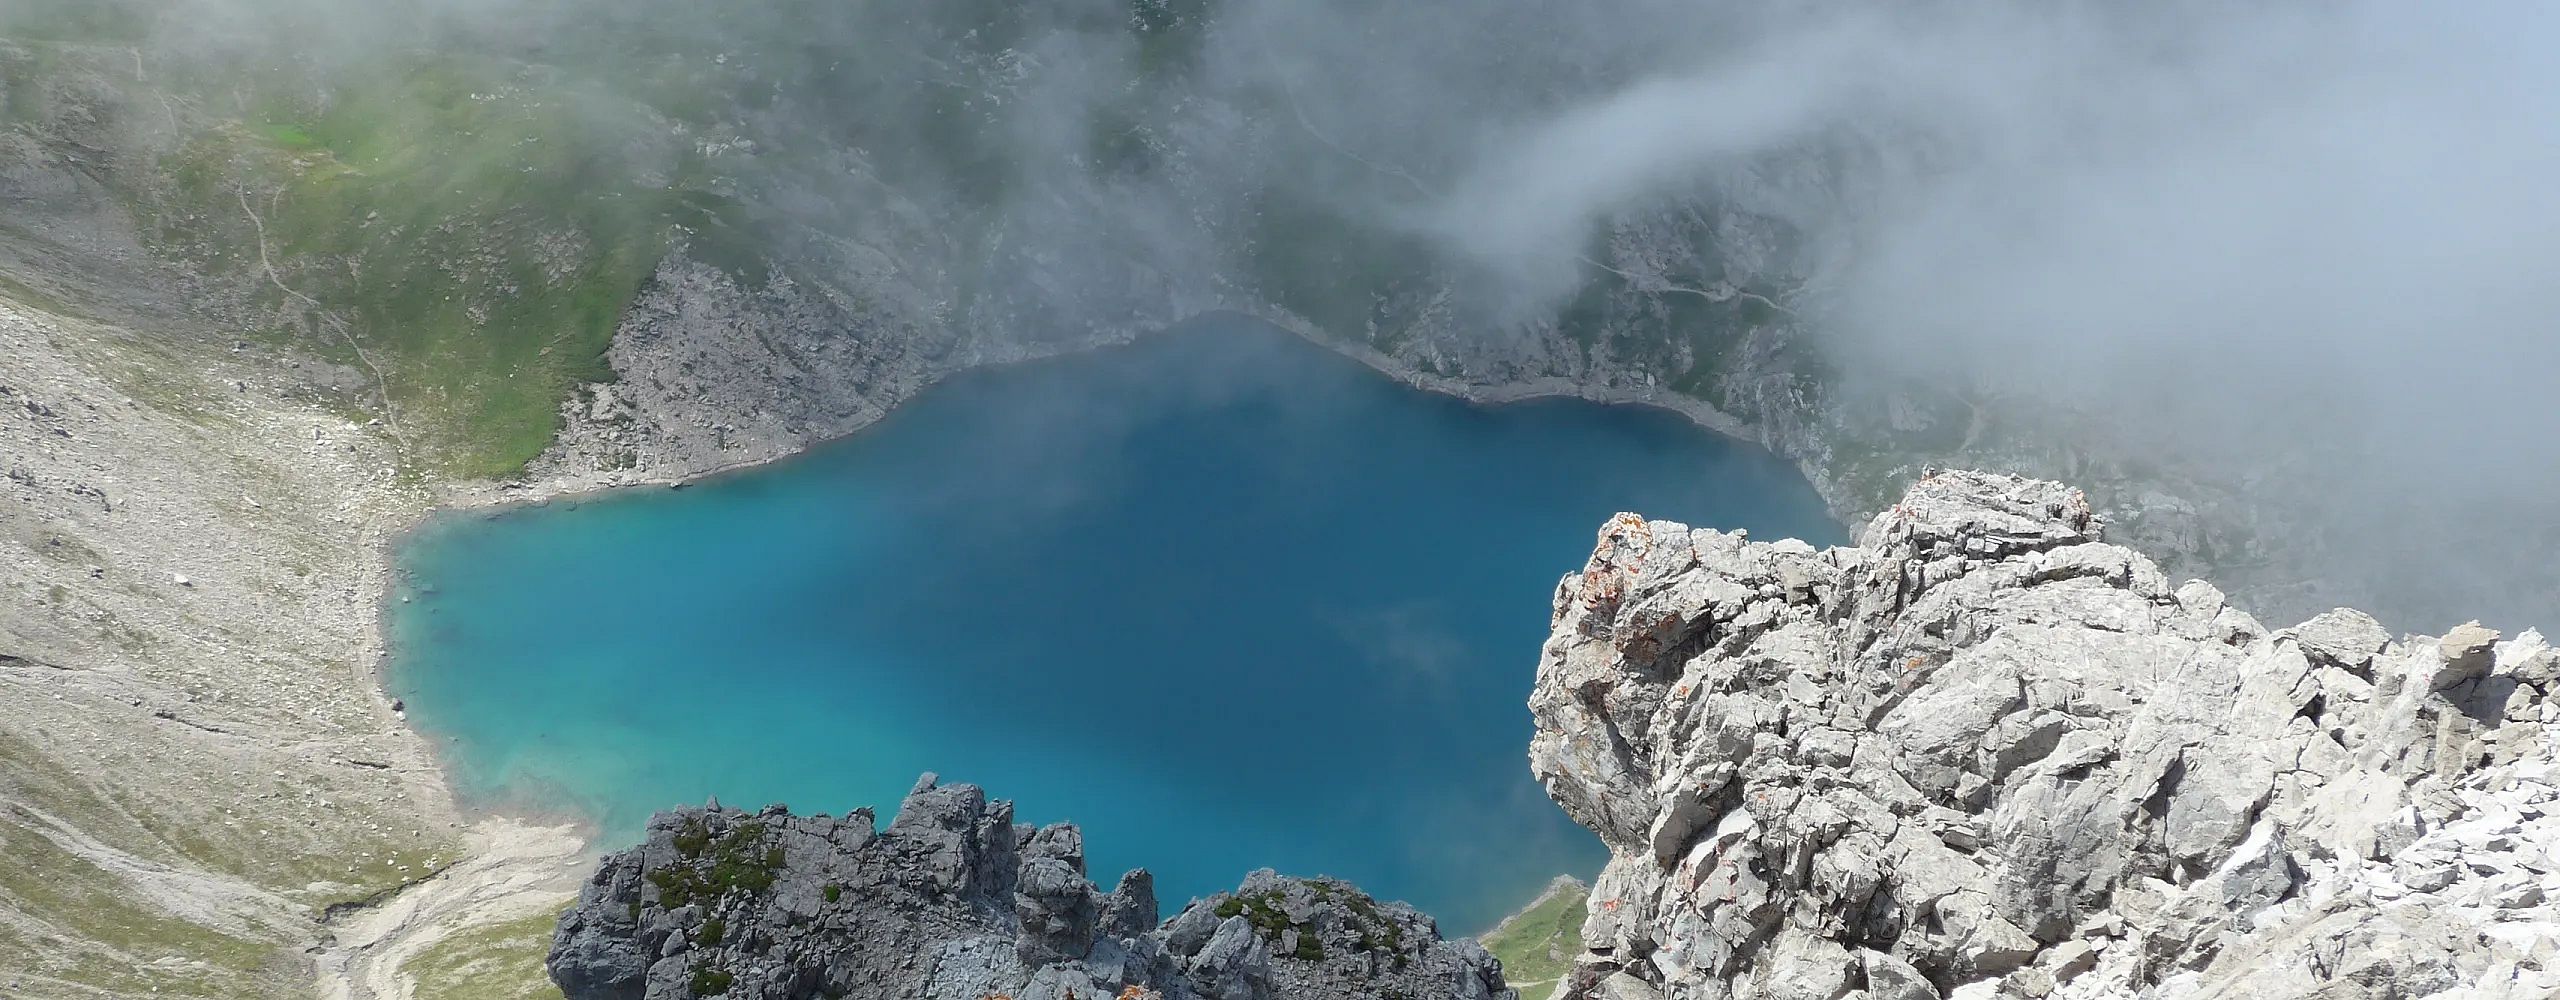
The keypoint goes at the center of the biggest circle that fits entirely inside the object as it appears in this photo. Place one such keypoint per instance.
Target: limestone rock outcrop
(1985, 754)
(955, 901)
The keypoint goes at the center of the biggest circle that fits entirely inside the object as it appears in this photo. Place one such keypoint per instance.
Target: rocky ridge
(956, 901)
(1986, 754)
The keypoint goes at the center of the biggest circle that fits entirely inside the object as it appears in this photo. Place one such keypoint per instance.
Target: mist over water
(2298, 249)
(1224, 599)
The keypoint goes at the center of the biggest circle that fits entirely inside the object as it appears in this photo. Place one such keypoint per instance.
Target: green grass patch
(28, 775)
(38, 299)
(1537, 946)
(495, 246)
(162, 377)
(379, 869)
(22, 84)
(1262, 911)
(709, 867)
(478, 226)
(142, 826)
(289, 136)
(111, 937)
(498, 962)
(82, 21)
(1339, 273)
(1266, 913)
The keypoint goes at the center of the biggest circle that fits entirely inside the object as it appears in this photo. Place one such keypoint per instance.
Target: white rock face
(1985, 754)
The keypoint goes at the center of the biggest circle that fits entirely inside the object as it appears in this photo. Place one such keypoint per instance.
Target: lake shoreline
(497, 498)
(548, 488)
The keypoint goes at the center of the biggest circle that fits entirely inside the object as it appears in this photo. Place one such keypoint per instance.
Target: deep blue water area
(1224, 598)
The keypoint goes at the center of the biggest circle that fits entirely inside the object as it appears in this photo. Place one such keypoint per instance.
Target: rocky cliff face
(954, 901)
(1986, 754)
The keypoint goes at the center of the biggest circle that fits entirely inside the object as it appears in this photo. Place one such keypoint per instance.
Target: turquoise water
(1223, 598)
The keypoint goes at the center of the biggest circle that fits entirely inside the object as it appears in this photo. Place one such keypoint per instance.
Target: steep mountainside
(1985, 754)
(692, 240)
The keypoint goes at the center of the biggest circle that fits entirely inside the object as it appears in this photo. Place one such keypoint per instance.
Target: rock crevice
(1984, 753)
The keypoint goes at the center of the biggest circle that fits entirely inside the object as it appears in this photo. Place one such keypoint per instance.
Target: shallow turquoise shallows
(1223, 598)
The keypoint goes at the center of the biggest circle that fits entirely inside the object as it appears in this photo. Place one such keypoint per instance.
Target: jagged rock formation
(954, 901)
(1985, 754)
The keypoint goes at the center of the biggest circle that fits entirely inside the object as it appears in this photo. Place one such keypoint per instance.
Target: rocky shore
(715, 377)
